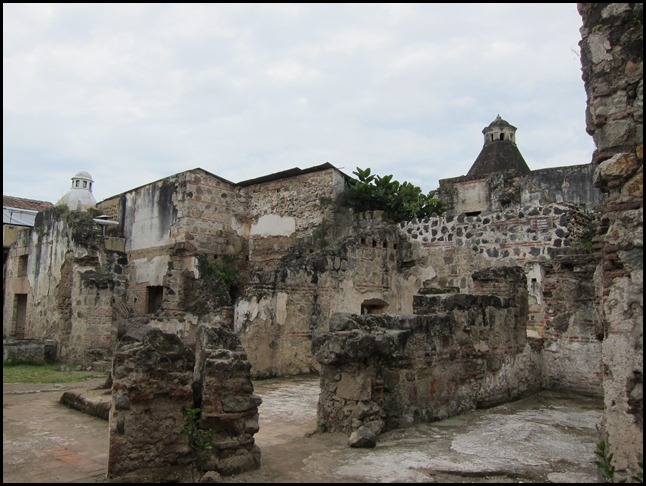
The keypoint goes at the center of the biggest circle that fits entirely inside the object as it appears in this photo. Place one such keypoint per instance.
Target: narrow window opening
(20, 315)
(23, 260)
(502, 136)
(85, 184)
(155, 296)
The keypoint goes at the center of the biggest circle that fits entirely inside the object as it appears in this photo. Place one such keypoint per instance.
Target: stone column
(612, 64)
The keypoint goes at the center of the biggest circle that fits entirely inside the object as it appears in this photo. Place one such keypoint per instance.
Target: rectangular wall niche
(20, 315)
(154, 298)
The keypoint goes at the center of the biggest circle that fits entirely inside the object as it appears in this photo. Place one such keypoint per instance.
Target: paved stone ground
(546, 438)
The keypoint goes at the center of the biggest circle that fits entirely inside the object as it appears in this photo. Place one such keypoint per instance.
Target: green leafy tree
(399, 201)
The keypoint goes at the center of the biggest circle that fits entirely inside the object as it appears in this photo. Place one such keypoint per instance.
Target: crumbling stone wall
(459, 245)
(73, 285)
(156, 378)
(166, 224)
(151, 390)
(501, 190)
(362, 272)
(612, 59)
(33, 351)
(283, 210)
(15, 316)
(571, 341)
(458, 352)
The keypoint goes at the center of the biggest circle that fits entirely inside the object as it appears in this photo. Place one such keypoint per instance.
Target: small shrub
(399, 201)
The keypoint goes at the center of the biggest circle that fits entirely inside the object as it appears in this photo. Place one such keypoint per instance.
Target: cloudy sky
(135, 93)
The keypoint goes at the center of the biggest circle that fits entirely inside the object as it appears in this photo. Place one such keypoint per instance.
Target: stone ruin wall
(458, 352)
(281, 211)
(72, 284)
(612, 58)
(16, 285)
(167, 224)
(552, 245)
(283, 307)
(500, 191)
(156, 379)
(323, 274)
(380, 265)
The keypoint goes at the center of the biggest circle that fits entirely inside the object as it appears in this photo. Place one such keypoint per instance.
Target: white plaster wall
(535, 289)
(472, 196)
(249, 310)
(241, 228)
(281, 308)
(151, 271)
(273, 225)
(144, 222)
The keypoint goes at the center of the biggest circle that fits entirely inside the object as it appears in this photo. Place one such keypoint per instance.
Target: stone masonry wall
(16, 286)
(500, 191)
(530, 237)
(73, 286)
(156, 379)
(276, 316)
(519, 235)
(571, 342)
(459, 352)
(168, 222)
(283, 210)
(612, 59)
(151, 390)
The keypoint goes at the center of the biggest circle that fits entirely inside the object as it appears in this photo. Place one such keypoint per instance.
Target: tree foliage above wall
(399, 201)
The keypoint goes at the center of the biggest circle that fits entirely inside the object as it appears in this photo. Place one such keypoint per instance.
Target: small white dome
(79, 197)
(83, 175)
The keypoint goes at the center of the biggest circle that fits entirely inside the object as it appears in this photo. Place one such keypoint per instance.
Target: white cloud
(134, 93)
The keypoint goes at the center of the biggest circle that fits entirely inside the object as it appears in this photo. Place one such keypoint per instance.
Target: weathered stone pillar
(228, 406)
(156, 379)
(612, 53)
(152, 388)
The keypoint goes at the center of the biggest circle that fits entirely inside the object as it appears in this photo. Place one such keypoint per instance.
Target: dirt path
(546, 438)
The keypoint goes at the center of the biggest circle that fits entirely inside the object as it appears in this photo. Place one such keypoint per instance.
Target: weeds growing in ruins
(215, 273)
(608, 469)
(199, 439)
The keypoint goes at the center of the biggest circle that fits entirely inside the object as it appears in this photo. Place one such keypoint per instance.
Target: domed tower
(499, 153)
(79, 197)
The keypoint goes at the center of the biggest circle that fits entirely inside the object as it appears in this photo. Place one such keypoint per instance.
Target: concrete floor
(546, 438)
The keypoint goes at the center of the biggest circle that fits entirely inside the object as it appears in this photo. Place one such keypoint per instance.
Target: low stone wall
(460, 352)
(16, 351)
